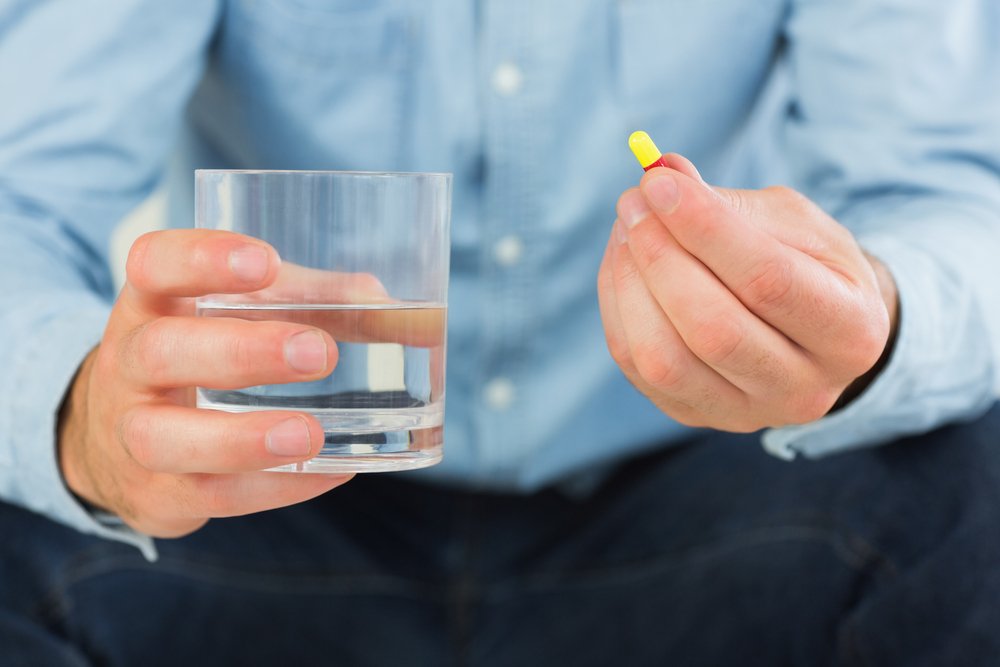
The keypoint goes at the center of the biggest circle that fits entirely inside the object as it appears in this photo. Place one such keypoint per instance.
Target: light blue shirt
(885, 112)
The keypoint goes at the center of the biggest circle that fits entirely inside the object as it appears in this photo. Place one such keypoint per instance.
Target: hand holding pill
(739, 309)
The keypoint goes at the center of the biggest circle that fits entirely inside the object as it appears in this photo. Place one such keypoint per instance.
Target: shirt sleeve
(85, 127)
(894, 129)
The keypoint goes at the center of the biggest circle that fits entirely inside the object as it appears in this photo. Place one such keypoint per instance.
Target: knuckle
(680, 412)
(619, 351)
(237, 441)
(808, 406)
(136, 261)
(213, 500)
(133, 436)
(716, 340)
(795, 202)
(771, 284)
(205, 251)
(739, 202)
(242, 355)
(627, 272)
(859, 358)
(790, 196)
(152, 349)
(124, 355)
(365, 285)
(650, 249)
(657, 365)
(861, 346)
(369, 283)
(872, 342)
(168, 500)
(780, 191)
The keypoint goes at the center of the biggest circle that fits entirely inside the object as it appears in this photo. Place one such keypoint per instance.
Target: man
(573, 518)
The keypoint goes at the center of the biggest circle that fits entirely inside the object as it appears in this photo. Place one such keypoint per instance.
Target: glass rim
(326, 172)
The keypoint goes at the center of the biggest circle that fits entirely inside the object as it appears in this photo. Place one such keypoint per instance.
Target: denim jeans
(711, 553)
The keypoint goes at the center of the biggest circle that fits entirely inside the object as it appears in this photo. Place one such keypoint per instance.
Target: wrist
(72, 438)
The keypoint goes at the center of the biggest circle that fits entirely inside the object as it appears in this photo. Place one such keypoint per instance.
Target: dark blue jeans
(708, 554)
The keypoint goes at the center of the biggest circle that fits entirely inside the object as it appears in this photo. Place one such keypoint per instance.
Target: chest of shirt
(395, 83)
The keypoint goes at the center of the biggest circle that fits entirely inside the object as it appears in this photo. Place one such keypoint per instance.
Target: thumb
(680, 163)
(734, 200)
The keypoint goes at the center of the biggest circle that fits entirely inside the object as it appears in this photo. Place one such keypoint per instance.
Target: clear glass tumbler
(364, 257)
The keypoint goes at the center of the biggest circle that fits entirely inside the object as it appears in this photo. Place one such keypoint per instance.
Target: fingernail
(306, 352)
(249, 263)
(288, 438)
(633, 208)
(663, 192)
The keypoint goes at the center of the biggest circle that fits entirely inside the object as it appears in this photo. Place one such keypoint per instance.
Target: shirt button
(508, 250)
(499, 393)
(507, 79)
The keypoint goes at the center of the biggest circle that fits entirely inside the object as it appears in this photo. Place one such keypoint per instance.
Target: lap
(710, 553)
(717, 553)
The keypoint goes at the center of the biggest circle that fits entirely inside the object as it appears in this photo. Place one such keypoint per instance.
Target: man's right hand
(130, 440)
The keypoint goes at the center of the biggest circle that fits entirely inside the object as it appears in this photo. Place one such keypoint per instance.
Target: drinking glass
(365, 258)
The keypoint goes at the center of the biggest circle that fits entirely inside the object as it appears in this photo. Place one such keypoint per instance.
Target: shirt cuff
(30, 474)
(941, 369)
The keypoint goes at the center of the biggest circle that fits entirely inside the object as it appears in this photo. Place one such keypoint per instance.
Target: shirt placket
(509, 91)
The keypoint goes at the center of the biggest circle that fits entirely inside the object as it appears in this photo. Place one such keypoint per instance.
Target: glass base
(383, 451)
(365, 462)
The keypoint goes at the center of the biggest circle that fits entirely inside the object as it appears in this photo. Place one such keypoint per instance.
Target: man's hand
(129, 440)
(739, 309)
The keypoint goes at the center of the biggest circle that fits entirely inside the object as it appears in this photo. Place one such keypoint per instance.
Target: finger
(211, 496)
(617, 340)
(614, 332)
(794, 220)
(389, 321)
(295, 283)
(662, 358)
(174, 439)
(802, 225)
(403, 324)
(713, 323)
(788, 289)
(225, 353)
(194, 262)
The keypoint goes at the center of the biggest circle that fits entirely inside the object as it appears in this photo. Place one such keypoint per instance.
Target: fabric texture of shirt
(885, 112)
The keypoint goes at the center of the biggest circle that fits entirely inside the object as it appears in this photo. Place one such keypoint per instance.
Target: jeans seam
(57, 599)
(850, 549)
(52, 607)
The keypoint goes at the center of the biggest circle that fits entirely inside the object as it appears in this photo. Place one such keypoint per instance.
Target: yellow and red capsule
(645, 151)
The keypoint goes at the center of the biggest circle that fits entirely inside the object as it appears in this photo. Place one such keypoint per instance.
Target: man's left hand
(739, 309)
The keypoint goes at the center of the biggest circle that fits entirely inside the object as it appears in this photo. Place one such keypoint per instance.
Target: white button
(499, 393)
(507, 79)
(508, 250)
